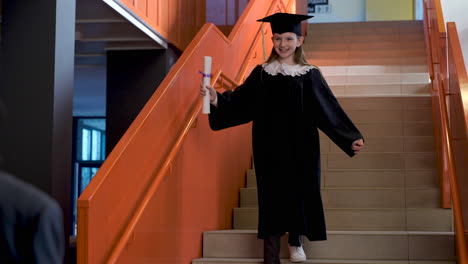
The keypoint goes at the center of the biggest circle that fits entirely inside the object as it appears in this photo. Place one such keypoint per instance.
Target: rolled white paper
(206, 81)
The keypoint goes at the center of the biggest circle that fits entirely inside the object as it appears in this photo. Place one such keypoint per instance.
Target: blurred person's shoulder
(23, 198)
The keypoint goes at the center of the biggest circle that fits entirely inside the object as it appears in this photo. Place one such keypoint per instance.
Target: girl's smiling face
(285, 45)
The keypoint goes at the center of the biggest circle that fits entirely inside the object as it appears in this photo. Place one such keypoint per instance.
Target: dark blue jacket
(31, 227)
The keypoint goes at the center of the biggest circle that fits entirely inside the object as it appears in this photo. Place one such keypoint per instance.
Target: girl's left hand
(357, 145)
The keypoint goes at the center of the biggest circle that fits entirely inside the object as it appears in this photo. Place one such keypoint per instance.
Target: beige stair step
(312, 45)
(364, 198)
(367, 24)
(366, 103)
(362, 38)
(371, 103)
(386, 144)
(410, 42)
(383, 90)
(380, 178)
(372, 69)
(357, 54)
(371, 179)
(383, 129)
(390, 115)
(365, 29)
(366, 160)
(384, 53)
(384, 78)
(317, 261)
(251, 179)
(369, 27)
(356, 33)
(368, 219)
(392, 129)
(406, 115)
(367, 61)
(352, 245)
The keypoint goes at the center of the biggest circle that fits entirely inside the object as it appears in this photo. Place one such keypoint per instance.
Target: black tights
(271, 247)
(294, 239)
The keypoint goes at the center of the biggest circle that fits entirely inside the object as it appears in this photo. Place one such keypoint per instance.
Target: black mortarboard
(285, 22)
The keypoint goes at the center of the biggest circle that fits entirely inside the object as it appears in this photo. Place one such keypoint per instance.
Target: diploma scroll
(206, 81)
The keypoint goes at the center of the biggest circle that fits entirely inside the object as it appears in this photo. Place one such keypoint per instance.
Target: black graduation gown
(286, 112)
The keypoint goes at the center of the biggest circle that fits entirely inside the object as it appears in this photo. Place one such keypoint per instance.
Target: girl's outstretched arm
(233, 108)
(331, 118)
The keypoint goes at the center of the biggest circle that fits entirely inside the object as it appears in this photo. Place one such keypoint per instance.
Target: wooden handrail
(440, 40)
(435, 38)
(427, 28)
(450, 171)
(161, 174)
(218, 78)
(458, 78)
(450, 84)
(459, 126)
(222, 79)
(440, 17)
(115, 202)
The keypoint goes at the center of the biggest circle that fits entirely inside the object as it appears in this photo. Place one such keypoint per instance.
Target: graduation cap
(285, 22)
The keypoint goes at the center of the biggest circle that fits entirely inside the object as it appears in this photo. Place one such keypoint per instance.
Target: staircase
(381, 206)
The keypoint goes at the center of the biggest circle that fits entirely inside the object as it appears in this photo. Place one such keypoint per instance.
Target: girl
(287, 99)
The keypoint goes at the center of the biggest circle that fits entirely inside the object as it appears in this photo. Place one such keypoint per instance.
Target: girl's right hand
(211, 90)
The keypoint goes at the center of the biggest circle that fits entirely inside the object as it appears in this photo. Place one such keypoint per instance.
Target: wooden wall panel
(177, 20)
(153, 12)
(164, 19)
(142, 5)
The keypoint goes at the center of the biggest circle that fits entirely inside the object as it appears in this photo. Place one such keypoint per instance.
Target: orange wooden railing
(449, 167)
(450, 114)
(436, 38)
(170, 177)
(458, 115)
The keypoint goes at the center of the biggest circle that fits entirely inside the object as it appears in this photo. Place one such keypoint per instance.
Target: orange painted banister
(435, 37)
(450, 170)
(170, 177)
(222, 79)
(458, 82)
(440, 40)
(160, 176)
(427, 39)
(440, 17)
(450, 113)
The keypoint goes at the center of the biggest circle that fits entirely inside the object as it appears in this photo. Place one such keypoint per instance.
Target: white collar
(275, 67)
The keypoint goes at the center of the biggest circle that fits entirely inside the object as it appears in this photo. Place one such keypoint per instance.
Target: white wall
(342, 11)
(455, 11)
(89, 97)
(418, 9)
